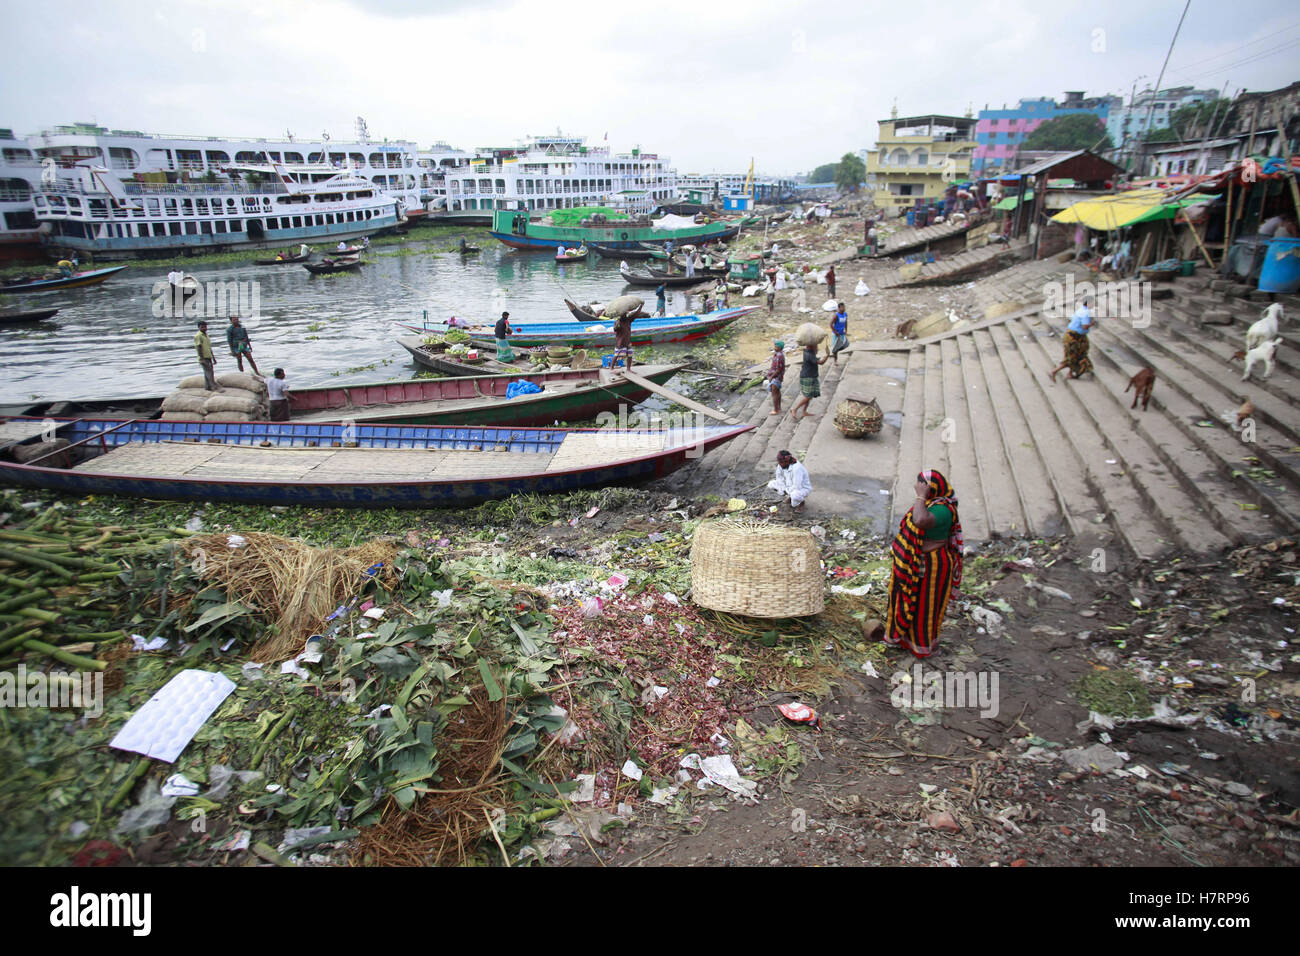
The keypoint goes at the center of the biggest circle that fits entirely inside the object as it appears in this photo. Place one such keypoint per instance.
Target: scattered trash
(990, 620)
(617, 581)
(1096, 757)
(800, 714)
(313, 650)
(631, 770)
(140, 644)
(168, 720)
(236, 541)
(586, 791)
(869, 669)
(722, 771)
(375, 613)
(252, 671)
(736, 504)
(178, 785)
(1049, 591)
(194, 524)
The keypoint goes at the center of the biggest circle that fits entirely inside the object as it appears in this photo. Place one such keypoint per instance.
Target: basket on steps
(858, 417)
(747, 567)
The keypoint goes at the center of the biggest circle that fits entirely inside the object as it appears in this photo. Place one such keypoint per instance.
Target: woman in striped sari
(927, 566)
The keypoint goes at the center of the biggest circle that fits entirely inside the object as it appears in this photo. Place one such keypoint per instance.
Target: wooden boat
(584, 314)
(672, 282)
(31, 315)
(92, 277)
(478, 399)
(468, 250)
(612, 252)
(448, 363)
(600, 334)
(343, 253)
(341, 465)
(282, 262)
(326, 266)
(579, 256)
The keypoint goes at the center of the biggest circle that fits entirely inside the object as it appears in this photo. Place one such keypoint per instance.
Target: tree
(1072, 131)
(823, 173)
(850, 173)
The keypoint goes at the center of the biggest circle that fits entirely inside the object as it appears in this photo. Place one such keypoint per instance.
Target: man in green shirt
(240, 347)
(203, 347)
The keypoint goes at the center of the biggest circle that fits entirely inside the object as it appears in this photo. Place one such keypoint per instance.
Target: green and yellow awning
(1105, 213)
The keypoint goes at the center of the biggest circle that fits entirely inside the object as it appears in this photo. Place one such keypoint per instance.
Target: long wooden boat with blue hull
(600, 332)
(336, 464)
(92, 277)
(517, 230)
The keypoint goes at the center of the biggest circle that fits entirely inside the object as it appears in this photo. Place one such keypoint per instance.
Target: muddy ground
(1210, 779)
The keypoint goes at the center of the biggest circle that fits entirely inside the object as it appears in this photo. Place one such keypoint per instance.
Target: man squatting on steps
(791, 480)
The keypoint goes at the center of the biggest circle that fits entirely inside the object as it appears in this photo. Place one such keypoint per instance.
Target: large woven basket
(759, 570)
(858, 417)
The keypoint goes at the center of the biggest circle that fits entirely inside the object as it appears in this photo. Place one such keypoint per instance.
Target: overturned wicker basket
(858, 417)
(759, 570)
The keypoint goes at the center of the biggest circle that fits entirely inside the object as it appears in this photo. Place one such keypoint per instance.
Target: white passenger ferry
(244, 206)
(553, 172)
(20, 176)
(390, 166)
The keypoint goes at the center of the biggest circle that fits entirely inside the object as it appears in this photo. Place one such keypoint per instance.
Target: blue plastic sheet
(521, 387)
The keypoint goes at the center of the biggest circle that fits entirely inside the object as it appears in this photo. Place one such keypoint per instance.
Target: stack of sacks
(239, 398)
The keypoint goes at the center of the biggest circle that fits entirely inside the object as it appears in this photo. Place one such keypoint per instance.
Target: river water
(112, 340)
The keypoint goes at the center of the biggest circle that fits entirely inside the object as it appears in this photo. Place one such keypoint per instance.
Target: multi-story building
(1149, 110)
(917, 157)
(999, 133)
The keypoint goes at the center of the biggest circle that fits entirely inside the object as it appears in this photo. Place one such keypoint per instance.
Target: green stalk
(63, 657)
(25, 557)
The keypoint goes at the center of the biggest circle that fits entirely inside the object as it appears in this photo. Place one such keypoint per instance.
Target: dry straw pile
(296, 585)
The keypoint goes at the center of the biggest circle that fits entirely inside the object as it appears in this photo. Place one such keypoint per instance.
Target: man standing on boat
(203, 347)
(623, 341)
(661, 300)
(277, 391)
(240, 347)
(503, 332)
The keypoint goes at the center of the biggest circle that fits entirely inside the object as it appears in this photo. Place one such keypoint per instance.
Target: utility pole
(1169, 53)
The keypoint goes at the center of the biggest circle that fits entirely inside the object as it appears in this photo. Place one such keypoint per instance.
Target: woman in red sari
(927, 566)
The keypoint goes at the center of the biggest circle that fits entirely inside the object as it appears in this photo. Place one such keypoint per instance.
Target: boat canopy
(1105, 213)
(670, 221)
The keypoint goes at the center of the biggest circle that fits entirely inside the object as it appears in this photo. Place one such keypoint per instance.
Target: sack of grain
(220, 405)
(181, 417)
(810, 334)
(242, 380)
(187, 400)
(194, 381)
(233, 417)
(623, 305)
(244, 394)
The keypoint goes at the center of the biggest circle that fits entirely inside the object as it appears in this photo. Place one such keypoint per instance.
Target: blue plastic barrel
(1281, 271)
(911, 217)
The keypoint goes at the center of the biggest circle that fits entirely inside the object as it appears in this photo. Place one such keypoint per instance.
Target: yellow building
(917, 157)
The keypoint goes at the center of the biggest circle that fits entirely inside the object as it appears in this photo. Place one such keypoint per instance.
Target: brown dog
(1142, 383)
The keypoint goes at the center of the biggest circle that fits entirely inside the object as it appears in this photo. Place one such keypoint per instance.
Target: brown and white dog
(1142, 382)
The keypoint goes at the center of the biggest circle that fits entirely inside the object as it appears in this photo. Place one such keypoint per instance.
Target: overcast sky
(710, 84)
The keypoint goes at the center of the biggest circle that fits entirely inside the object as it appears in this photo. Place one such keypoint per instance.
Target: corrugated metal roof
(1049, 162)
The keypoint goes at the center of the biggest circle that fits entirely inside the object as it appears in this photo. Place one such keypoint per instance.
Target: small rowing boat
(671, 282)
(573, 255)
(452, 363)
(337, 464)
(287, 260)
(31, 315)
(600, 333)
(614, 252)
(327, 266)
(92, 277)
